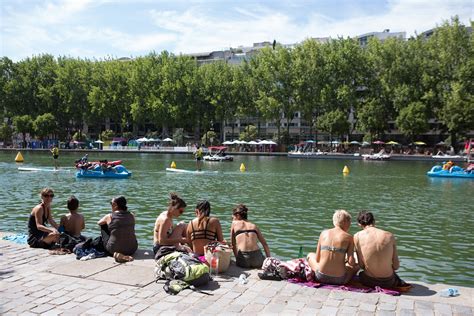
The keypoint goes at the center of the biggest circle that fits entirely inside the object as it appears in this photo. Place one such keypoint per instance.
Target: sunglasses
(112, 202)
(48, 195)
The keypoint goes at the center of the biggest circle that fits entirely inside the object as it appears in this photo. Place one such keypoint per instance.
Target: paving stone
(424, 312)
(98, 310)
(53, 312)
(404, 303)
(461, 310)
(42, 308)
(347, 310)
(295, 305)
(385, 313)
(386, 307)
(329, 311)
(442, 309)
(406, 312)
(253, 308)
(60, 300)
(367, 307)
(350, 302)
(309, 311)
(138, 308)
(331, 302)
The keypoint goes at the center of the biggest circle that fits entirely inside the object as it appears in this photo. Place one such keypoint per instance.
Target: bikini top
(203, 233)
(334, 249)
(242, 231)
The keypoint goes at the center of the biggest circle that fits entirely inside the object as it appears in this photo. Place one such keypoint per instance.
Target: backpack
(182, 267)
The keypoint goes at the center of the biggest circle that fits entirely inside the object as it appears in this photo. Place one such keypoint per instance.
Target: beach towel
(353, 286)
(17, 238)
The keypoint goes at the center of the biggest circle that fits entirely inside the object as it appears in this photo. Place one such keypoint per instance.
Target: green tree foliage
(334, 122)
(210, 138)
(413, 119)
(23, 124)
(6, 133)
(45, 125)
(372, 118)
(249, 133)
(107, 134)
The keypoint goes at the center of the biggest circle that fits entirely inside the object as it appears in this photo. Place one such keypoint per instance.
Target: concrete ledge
(34, 282)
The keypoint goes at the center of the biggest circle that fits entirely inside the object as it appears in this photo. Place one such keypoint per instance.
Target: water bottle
(243, 279)
(449, 292)
(214, 263)
(300, 253)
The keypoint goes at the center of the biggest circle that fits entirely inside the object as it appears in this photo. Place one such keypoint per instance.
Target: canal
(291, 200)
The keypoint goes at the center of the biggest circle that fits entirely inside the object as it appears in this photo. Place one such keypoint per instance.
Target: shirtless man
(377, 253)
(72, 223)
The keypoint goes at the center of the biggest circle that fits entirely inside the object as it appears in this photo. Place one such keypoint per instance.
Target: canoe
(191, 171)
(454, 172)
(119, 172)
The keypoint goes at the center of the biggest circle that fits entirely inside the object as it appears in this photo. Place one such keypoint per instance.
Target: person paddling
(55, 152)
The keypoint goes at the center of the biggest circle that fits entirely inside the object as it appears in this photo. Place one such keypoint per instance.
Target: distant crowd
(338, 256)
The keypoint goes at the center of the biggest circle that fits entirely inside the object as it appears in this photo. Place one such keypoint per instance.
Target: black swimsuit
(242, 231)
(35, 236)
(203, 233)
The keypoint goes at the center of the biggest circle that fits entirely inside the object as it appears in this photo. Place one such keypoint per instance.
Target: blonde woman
(334, 245)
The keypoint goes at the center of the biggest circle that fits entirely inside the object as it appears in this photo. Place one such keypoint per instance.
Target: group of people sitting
(333, 262)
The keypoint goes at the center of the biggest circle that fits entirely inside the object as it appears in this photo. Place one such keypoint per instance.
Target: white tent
(252, 142)
(228, 142)
(99, 141)
(167, 139)
(142, 140)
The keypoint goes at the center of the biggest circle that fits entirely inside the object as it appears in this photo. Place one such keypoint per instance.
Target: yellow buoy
(242, 167)
(173, 165)
(19, 157)
(345, 170)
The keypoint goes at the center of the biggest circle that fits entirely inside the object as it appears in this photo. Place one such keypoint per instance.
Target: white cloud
(59, 27)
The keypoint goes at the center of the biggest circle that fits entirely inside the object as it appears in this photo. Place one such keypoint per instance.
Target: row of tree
(408, 81)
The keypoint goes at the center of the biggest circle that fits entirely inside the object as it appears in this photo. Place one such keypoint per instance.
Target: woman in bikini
(39, 235)
(244, 236)
(203, 228)
(329, 261)
(164, 233)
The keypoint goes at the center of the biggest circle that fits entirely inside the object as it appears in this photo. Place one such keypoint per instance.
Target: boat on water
(192, 171)
(378, 156)
(217, 153)
(442, 156)
(453, 172)
(109, 172)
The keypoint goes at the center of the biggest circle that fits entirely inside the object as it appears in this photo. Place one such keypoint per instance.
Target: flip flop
(121, 258)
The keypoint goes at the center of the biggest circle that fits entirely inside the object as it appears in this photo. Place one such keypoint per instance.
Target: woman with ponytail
(203, 228)
(165, 234)
(245, 236)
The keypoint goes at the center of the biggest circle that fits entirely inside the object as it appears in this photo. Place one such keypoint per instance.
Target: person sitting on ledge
(244, 236)
(164, 233)
(329, 261)
(377, 254)
(39, 235)
(72, 223)
(203, 228)
(118, 230)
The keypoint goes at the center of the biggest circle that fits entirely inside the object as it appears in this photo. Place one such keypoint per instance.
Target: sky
(101, 29)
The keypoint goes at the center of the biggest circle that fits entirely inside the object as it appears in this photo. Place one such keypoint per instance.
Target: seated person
(165, 234)
(203, 228)
(377, 253)
(72, 223)
(244, 236)
(118, 229)
(40, 235)
(448, 165)
(334, 245)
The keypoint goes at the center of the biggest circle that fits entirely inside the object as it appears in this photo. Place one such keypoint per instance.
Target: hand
(55, 232)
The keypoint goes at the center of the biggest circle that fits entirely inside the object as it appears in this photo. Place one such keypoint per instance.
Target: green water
(291, 200)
